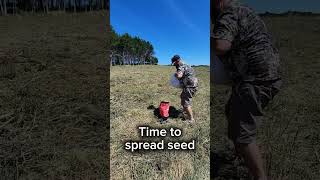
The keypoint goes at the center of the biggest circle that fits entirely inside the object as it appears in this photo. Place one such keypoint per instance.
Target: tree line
(288, 13)
(45, 6)
(128, 50)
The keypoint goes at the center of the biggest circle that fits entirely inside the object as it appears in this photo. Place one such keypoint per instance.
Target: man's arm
(221, 47)
(179, 74)
(226, 29)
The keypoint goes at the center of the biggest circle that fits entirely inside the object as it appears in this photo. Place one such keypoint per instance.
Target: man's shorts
(244, 109)
(186, 96)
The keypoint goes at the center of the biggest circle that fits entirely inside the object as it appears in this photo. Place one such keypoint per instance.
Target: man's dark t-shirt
(252, 56)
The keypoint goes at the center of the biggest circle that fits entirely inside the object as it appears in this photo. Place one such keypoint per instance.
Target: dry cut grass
(133, 89)
(53, 80)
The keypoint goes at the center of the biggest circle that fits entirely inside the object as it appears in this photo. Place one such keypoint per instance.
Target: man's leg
(252, 157)
(186, 100)
(243, 122)
(189, 112)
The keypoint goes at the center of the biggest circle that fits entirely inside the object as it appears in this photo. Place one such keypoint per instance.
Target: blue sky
(172, 26)
(278, 6)
(182, 26)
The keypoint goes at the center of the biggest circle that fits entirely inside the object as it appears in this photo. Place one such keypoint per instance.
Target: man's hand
(179, 74)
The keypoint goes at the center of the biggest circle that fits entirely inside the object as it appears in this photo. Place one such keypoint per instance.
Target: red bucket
(164, 110)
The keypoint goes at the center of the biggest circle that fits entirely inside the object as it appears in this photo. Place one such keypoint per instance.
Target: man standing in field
(189, 82)
(241, 40)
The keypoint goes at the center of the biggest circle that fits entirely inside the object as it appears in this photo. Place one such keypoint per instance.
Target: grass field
(53, 96)
(133, 90)
(290, 134)
(53, 88)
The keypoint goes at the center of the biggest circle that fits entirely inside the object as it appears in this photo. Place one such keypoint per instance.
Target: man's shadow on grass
(173, 112)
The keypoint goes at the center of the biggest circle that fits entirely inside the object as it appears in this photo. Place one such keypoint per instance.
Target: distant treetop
(128, 50)
(45, 6)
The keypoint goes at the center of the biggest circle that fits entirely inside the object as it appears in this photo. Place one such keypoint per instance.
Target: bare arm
(221, 47)
(179, 74)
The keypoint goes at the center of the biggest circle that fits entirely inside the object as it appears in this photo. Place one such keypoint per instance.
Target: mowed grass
(53, 114)
(133, 89)
(290, 132)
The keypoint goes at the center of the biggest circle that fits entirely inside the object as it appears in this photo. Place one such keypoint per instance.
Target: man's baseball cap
(175, 58)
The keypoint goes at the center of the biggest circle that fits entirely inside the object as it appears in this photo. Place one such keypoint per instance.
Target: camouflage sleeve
(180, 69)
(226, 27)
